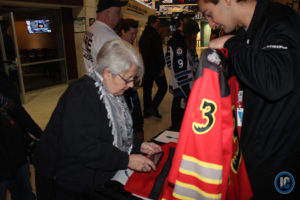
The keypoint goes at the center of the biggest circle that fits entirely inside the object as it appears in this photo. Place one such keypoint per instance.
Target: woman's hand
(140, 163)
(150, 148)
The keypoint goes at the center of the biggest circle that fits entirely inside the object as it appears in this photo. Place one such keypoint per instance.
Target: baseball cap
(104, 4)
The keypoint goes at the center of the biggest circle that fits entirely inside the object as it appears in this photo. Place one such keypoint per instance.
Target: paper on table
(167, 136)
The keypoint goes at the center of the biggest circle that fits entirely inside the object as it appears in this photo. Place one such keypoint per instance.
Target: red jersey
(207, 157)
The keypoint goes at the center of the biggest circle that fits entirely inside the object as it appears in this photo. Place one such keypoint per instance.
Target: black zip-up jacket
(266, 60)
(150, 46)
(15, 126)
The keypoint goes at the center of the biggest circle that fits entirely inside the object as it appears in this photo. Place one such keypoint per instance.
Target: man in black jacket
(150, 46)
(265, 55)
(15, 126)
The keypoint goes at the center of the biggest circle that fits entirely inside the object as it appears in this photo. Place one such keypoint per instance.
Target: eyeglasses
(134, 80)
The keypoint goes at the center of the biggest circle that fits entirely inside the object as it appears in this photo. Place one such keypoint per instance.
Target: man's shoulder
(100, 33)
(277, 12)
(149, 31)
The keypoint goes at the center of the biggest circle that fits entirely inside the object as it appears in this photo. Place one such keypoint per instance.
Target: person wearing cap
(182, 59)
(108, 16)
(150, 45)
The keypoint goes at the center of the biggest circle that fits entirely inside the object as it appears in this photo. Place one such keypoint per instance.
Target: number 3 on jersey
(208, 109)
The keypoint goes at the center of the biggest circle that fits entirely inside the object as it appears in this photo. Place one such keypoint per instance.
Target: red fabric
(239, 186)
(142, 183)
(212, 147)
(216, 146)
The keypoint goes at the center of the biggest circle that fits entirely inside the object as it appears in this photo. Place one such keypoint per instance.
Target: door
(10, 52)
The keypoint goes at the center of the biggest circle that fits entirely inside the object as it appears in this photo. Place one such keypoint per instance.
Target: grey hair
(118, 56)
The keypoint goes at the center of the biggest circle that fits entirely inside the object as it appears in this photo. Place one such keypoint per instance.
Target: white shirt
(94, 39)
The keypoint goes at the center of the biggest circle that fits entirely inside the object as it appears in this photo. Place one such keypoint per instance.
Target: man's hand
(219, 42)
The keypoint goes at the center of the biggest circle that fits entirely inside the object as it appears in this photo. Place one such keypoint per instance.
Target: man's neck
(102, 17)
(246, 11)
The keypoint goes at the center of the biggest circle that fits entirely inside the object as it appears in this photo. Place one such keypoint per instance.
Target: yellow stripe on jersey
(186, 192)
(201, 178)
(202, 163)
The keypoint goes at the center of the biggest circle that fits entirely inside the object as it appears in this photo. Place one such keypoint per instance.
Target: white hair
(118, 56)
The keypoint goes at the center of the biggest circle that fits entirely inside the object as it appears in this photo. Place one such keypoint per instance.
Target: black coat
(15, 126)
(266, 60)
(77, 145)
(150, 46)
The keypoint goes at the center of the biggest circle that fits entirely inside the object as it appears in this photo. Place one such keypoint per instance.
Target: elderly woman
(89, 136)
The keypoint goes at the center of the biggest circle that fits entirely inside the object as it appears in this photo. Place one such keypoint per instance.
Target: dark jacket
(77, 145)
(150, 46)
(266, 60)
(177, 62)
(15, 126)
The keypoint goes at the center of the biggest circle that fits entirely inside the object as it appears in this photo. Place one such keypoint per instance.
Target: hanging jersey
(207, 152)
(181, 64)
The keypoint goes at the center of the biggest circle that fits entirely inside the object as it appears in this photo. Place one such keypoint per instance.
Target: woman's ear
(106, 74)
(122, 32)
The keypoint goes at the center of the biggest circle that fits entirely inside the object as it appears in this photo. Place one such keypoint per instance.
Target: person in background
(18, 133)
(102, 30)
(182, 60)
(128, 29)
(150, 46)
(89, 137)
(182, 18)
(265, 56)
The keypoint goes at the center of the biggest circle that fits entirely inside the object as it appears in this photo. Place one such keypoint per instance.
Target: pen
(170, 137)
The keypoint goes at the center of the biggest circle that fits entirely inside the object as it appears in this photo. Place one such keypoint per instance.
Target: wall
(58, 2)
(78, 13)
(34, 41)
